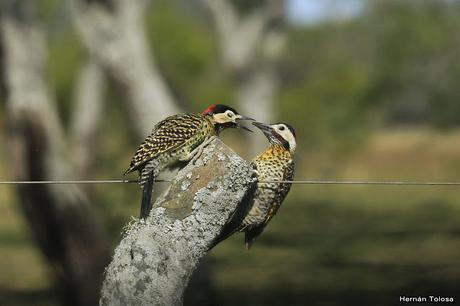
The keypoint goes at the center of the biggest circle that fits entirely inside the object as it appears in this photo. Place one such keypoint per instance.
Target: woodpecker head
(225, 117)
(279, 133)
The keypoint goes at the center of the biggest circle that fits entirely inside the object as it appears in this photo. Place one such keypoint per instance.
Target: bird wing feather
(283, 191)
(252, 231)
(168, 135)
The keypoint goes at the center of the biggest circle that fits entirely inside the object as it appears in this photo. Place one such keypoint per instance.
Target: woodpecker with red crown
(275, 164)
(178, 139)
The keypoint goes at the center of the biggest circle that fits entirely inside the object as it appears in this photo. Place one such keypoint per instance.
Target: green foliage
(47, 9)
(187, 55)
(395, 64)
(416, 60)
(326, 79)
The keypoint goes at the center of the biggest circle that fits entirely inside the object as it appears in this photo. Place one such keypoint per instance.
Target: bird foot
(255, 175)
(199, 150)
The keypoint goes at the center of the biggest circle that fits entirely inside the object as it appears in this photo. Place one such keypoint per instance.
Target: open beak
(243, 118)
(265, 128)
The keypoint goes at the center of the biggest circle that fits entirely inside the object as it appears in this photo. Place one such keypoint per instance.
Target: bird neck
(276, 150)
(212, 124)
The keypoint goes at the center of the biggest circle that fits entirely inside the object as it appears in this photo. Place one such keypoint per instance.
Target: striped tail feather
(147, 190)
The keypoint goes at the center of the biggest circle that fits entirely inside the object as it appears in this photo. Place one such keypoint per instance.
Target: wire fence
(297, 182)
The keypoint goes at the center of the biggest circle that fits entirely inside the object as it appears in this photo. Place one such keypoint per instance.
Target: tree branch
(155, 260)
(237, 36)
(87, 116)
(240, 36)
(115, 35)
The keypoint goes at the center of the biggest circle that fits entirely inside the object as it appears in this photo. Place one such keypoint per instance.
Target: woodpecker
(178, 139)
(276, 163)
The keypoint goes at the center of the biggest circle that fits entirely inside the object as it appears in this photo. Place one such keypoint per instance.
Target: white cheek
(292, 143)
(292, 146)
(220, 118)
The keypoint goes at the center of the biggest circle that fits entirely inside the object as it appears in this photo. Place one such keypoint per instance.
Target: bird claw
(255, 175)
(199, 150)
(195, 157)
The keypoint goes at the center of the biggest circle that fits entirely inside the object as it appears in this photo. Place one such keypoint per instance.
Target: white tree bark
(115, 35)
(256, 97)
(155, 260)
(238, 37)
(28, 94)
(87, 116)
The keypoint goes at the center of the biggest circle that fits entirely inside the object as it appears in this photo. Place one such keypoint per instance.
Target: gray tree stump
(155, 260)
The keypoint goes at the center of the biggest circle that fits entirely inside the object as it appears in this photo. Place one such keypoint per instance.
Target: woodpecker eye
(230, 114)
(282, 128)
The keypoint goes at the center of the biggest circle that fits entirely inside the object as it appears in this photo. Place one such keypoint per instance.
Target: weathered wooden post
(155, 260)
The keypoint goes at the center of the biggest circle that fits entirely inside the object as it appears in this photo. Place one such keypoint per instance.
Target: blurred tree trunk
(86, 117)
(250, 45)
(114, 33)
(60, 217)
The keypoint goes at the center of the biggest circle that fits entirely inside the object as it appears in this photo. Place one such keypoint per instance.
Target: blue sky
(314, 11)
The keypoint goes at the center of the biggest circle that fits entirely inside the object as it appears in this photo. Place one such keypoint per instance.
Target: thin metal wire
(300, 182)
(378, 183)
(71, 182)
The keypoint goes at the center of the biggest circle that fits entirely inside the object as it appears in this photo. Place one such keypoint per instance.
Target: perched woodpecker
(178, 139)
(276, 163)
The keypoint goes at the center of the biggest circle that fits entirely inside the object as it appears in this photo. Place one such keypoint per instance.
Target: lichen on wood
(156, 258)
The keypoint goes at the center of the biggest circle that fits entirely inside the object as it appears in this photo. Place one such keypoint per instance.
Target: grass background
(329, 245)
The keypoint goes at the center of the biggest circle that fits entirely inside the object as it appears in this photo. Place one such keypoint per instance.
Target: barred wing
(168, 135)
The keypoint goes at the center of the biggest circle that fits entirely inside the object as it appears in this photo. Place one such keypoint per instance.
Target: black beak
(243, 118)
(265, 128)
